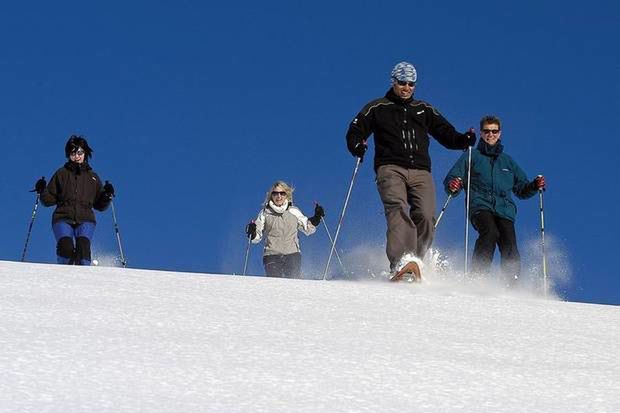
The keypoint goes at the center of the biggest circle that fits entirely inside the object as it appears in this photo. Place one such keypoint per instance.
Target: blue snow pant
(66, 251)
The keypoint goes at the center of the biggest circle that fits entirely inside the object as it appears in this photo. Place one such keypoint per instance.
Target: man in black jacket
(401, 125)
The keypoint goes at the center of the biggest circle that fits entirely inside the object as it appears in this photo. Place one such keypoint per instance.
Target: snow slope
(75, 339)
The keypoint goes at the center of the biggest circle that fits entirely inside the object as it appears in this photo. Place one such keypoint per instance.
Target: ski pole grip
(540, 176)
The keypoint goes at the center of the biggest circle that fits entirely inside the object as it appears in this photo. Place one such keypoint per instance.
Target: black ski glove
(359, 150)
(250, 230)
(319, 213)
(470, 138)
(108, 190)
(40, 186)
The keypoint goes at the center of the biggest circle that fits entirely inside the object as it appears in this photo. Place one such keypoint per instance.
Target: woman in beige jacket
(278, 223)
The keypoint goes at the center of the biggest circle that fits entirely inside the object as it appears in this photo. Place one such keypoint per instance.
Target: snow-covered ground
(93, 339)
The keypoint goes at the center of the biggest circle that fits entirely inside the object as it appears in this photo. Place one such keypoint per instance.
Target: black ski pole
(118, 236)
(34, 215)
(542, 235)
(344, 209)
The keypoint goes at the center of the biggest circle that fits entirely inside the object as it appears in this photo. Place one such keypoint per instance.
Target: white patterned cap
(405, 72)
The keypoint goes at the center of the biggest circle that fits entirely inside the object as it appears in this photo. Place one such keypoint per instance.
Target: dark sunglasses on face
(78, 152)
(281, 193)
(488, 131)
(404, 82)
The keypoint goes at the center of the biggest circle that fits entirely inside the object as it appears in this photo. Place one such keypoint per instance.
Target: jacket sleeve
(303, 224)
(457, 171)
(361, 127)
(49, 196)
(443, 131)
(102, 201)
(522, 187)
(260, 227)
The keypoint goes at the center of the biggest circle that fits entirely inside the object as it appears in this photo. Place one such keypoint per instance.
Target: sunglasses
(488, 131)
(281, 193)
(78, 152)
(404, 83)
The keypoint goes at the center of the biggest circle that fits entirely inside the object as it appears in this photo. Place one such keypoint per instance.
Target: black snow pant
(492, 231)
(283, 266)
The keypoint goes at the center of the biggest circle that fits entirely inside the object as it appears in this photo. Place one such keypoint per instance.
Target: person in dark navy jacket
(76, 190)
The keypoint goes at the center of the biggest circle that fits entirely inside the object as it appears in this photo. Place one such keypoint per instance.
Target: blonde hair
(285, 187)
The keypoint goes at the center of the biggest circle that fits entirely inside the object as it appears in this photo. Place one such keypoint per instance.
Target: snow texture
(100, 339)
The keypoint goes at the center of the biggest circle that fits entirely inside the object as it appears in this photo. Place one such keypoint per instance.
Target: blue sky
(194, 109)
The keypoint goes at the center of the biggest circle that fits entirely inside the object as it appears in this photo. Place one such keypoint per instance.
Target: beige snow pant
(408, 197)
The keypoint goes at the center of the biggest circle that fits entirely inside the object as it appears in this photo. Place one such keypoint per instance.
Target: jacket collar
(278, 209)
(77, 168)
(488, 150)
(391, 96)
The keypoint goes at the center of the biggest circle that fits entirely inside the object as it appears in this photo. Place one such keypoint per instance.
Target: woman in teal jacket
(494, 175)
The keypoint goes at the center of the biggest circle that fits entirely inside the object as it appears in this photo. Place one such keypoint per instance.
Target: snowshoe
(410, 272)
